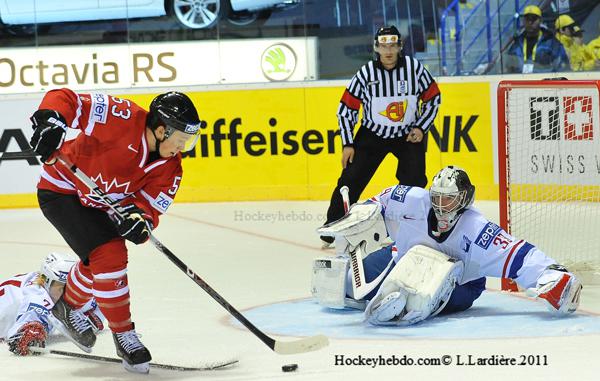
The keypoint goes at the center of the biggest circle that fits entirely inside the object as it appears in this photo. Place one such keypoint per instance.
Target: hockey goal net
(549, 169)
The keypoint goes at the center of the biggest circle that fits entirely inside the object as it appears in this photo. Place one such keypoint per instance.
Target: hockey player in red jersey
(133, 156)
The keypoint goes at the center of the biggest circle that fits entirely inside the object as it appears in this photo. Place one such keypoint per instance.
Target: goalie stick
(307, 344)
(345, 192)
(209, 366)
(360, 287)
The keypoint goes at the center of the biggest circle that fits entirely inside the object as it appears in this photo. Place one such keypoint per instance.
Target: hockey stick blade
(210, 366)
(307, 344)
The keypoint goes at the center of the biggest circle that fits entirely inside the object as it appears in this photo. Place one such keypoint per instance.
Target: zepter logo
(278, 62)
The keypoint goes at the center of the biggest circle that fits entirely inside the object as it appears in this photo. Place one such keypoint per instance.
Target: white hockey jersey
(484, 247)
(22, 301)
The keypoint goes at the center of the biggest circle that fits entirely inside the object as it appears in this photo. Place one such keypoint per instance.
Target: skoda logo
(278, 62)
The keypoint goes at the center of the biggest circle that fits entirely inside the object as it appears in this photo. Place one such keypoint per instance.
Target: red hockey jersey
(111, 148)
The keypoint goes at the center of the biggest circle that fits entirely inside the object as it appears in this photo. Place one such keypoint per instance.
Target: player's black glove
(133, 226)
(49, 132)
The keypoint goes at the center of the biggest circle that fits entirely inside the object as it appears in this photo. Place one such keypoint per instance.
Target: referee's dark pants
(369, 152)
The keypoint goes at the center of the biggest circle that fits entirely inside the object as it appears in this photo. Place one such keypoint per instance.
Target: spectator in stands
(535, 50)
(570, 35)
(594, 46)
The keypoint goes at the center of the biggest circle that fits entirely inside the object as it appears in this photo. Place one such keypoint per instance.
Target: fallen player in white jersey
(26, 301)
(443, 250)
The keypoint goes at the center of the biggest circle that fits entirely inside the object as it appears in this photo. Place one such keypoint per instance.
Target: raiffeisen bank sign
(189, 63)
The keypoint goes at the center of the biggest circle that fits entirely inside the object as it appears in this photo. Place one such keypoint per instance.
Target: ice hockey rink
(258, 256)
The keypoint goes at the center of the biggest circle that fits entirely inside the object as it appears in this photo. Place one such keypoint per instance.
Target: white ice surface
(252, 262)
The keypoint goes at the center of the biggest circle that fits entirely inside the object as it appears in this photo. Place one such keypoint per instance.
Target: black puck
(289, 367)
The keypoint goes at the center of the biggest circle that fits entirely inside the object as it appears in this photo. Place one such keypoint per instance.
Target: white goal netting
(552, 156)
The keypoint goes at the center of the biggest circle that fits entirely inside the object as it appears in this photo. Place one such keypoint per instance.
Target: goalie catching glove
(32, 334)
(49, 132)
(132, 224)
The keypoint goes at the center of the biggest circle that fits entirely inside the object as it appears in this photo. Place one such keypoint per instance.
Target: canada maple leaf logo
(112, 188)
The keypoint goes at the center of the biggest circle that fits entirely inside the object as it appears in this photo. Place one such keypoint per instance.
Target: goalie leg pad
(426, 277)
(388, 309)
(328, 283)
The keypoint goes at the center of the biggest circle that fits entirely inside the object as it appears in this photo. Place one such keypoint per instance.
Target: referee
(400, 101)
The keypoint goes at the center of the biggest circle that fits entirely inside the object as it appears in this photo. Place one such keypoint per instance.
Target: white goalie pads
(362, 223)
(328, 283)
(418, 287)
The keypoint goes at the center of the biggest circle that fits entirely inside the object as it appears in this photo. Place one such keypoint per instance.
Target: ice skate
(136, 357)
(74, 325)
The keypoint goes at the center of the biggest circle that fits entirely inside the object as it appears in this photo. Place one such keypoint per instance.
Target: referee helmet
(386, 35)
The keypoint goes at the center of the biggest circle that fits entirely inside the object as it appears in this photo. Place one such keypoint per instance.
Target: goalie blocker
(360, 232)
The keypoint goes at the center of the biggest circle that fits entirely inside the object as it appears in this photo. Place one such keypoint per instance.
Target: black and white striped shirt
(394, 101)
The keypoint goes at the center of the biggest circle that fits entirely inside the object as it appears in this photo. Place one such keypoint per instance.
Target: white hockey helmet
(451, 194)
(56, 267)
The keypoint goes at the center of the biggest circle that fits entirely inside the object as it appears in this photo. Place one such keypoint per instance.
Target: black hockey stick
(307, 344)
(209, 366)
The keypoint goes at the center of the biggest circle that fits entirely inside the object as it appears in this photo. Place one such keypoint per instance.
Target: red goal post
(549, 169)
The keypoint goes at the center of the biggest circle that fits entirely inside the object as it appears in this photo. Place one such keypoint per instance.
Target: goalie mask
(56, 267)
(451, 194)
